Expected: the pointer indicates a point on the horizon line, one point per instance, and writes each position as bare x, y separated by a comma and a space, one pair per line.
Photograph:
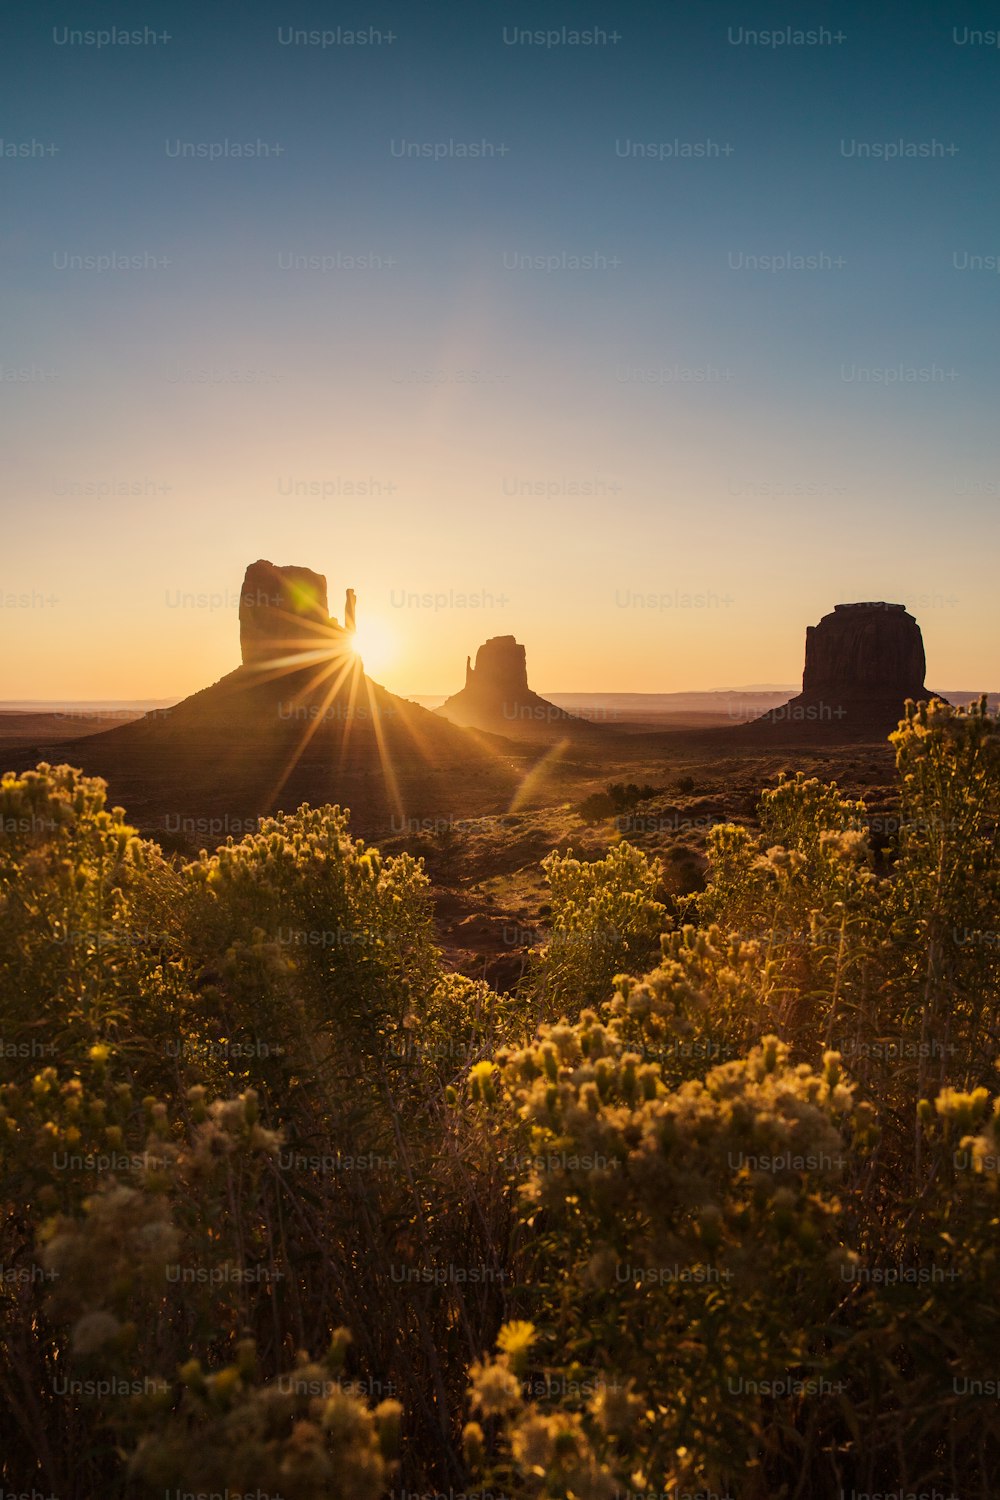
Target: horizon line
141, 705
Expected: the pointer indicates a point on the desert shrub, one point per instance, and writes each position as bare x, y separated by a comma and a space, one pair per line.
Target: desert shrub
604, 919
89, 922
880, 1325
305, 1435
190, 1211
706, 1309
945, 891
803, 891
901, 973
286, 988
350, 930
617, 797
687, 1245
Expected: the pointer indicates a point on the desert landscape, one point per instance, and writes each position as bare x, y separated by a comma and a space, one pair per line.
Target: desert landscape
482, 808
499, 753
378, 921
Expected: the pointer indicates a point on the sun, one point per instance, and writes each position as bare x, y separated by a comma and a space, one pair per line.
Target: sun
375, 645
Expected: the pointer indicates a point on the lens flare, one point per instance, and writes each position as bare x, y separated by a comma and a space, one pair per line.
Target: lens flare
374, 643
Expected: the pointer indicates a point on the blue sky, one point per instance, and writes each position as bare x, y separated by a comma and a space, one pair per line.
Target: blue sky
557, 375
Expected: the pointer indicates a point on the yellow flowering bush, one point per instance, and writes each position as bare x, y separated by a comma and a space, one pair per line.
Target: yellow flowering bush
605, 918
684, 1240
306, 1434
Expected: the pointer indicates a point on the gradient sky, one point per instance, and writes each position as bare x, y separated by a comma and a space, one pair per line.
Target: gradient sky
665, 426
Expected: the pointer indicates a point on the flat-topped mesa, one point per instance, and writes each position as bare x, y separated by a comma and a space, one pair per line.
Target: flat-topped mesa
865, 650
496, 695
862, 663
284, 610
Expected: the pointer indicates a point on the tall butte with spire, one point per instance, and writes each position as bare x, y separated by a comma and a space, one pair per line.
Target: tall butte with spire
496, 696
284, 612
298, 721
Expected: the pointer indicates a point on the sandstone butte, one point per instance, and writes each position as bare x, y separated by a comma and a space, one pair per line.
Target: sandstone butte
496, 697
862, 662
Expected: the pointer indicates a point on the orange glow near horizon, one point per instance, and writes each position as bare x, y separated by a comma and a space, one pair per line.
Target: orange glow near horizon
100, 623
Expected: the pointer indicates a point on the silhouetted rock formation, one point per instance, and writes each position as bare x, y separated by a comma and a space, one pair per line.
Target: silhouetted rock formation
865, 650
298, 721
497, 698
862, 663
501, 667
283, 609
